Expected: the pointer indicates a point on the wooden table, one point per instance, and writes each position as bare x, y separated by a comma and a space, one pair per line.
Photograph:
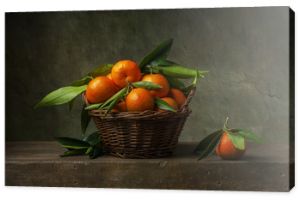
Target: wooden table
39, 164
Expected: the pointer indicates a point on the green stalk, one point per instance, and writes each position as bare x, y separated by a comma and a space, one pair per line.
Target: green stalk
120, 93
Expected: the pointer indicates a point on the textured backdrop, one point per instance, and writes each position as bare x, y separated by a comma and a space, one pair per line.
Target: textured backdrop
245, 50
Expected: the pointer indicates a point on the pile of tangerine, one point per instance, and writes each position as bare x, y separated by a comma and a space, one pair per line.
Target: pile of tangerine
123, 72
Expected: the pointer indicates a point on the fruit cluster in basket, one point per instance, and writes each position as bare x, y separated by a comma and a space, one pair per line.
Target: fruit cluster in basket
156, 83
126, 88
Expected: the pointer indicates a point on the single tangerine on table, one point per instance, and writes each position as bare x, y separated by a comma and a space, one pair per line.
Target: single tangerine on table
171, 102
100, 89
160, 80
226, 150
124, 72
139, 99
178, 96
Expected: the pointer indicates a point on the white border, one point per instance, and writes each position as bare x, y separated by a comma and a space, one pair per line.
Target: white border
84, 194
37, 5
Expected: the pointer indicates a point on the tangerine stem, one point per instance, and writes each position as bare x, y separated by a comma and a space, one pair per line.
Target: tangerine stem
195, 79
128, 88
225, 128
151, 70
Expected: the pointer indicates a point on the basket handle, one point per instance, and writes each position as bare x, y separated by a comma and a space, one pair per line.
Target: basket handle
185, 106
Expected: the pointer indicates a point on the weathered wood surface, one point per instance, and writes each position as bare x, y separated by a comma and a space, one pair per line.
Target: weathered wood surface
39, 164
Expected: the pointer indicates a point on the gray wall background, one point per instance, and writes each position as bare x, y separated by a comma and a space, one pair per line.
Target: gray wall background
245, 50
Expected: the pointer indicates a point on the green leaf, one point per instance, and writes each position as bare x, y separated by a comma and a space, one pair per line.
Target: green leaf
237, 140
113, 103
101, 70
71, 143
93, 138
162, 62
160, 52
61, 96
175, 83
249, 135
85, 119
118, 95
208, 145
89, 150
93, 106
146, 84
97, 151
163, 105
71, 104
177, 71
74, 152
84, 81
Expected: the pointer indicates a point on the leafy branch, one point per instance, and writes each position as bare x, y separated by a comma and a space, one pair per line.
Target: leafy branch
89, 145
237, 136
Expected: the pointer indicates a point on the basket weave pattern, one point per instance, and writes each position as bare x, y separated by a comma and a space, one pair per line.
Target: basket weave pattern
148, 134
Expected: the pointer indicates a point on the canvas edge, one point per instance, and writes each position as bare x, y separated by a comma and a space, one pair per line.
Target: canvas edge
291, 99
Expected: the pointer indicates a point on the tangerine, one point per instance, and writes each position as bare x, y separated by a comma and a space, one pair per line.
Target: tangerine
171, 102
121, 106
178, 96
109, 76
160, 80
100, 89
139, 99
226, 150
125, 71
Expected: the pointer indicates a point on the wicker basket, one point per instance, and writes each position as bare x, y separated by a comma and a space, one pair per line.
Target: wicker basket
148, 134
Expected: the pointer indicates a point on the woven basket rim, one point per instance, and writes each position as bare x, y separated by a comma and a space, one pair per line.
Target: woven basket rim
148, 114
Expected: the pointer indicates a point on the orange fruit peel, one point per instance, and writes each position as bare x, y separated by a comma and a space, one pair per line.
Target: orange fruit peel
124, 72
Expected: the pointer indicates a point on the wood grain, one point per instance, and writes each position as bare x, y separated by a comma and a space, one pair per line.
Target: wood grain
39, 164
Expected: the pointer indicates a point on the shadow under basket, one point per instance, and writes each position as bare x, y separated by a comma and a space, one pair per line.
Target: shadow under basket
147, 134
